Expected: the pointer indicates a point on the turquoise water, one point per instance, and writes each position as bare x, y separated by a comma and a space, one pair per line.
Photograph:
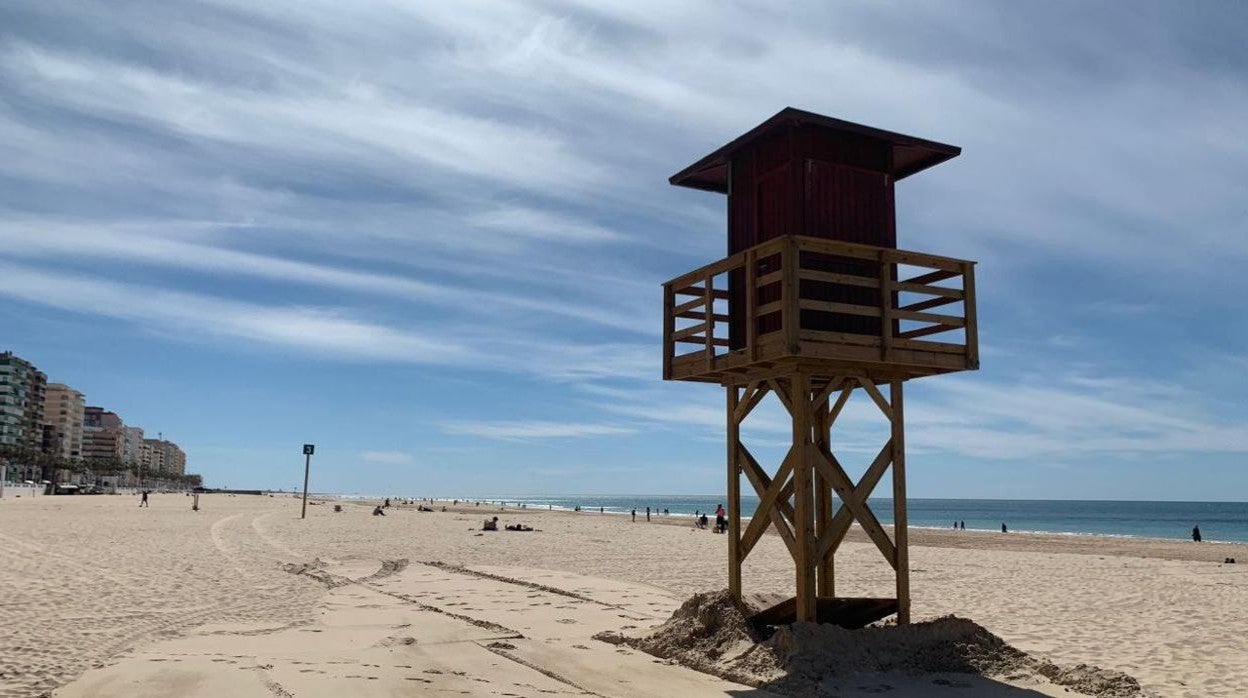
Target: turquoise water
1218, 521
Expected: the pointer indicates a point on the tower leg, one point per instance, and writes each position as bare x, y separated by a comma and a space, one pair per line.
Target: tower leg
734, 496
901, 536
825, 580
803, 509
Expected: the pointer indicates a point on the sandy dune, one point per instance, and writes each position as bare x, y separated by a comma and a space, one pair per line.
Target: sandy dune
96, 589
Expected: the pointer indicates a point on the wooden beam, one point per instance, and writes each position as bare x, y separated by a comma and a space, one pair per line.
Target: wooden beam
734, 496
747, 405
669, 327
933, 277
825, 584
969, 310
842, 308
901, 535
886, 307
760, 482
832, 470
766, 514
925, 331
951, 320
751, 301
803, 528
847, 389
907, 286
699, 315
840, 279
844, 517
710, 323
689, 331
875, 394
930, 303
790, 296
690, 305
783, 395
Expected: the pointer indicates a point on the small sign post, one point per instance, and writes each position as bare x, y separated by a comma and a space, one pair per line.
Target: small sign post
308, 449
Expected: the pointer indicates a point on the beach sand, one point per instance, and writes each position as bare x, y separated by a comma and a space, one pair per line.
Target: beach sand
103, 598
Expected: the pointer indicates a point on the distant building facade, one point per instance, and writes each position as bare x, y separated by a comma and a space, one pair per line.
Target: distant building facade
162, 457
64, 409
132, 450
103, 435
22, 391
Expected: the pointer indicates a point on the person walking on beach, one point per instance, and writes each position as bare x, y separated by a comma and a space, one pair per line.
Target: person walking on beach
143, 500
1004, 529
962, 524
647, 513
634, 516
720, 516
1196, 534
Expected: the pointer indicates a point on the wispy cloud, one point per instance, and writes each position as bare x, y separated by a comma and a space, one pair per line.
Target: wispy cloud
532, 430
387, 457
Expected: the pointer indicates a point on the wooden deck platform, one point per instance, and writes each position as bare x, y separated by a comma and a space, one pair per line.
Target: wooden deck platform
777, 307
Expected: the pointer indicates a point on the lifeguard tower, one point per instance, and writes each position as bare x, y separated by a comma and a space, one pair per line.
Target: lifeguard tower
814, 302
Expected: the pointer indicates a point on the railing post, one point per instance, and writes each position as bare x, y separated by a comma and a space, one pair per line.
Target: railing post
791, 314
968, 312
709, 294
669, 327
886, 306
751, 301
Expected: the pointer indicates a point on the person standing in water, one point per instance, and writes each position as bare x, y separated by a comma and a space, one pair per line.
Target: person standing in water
1196, 534
1004, 529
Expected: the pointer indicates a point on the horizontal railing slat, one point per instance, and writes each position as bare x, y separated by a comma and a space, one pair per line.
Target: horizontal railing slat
951, 320
843, 279
843, 308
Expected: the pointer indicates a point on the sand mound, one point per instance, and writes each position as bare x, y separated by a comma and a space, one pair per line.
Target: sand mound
711, 634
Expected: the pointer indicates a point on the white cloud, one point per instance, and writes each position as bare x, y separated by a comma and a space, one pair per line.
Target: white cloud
531, 430
387, 457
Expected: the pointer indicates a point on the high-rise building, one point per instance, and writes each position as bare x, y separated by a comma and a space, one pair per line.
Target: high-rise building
64, 409
22, 390
103, 435
160, 457
132, 450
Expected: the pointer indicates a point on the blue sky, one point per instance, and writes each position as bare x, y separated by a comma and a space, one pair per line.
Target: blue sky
430, 237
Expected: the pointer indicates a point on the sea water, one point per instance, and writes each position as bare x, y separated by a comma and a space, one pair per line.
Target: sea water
1218, 521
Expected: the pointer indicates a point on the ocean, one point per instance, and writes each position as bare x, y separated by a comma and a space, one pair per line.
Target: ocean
1218, 521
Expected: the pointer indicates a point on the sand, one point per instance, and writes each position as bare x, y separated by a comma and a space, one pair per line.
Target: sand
102, 598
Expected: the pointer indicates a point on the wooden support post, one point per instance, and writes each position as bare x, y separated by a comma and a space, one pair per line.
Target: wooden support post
803, 525
969, 312
669, 328
734, 496
791, 313
825, 583
751, 303
901, 537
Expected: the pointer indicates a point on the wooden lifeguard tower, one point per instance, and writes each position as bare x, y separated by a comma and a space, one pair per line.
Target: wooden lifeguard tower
813, 302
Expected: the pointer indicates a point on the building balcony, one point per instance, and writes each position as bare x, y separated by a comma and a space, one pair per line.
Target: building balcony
831, 308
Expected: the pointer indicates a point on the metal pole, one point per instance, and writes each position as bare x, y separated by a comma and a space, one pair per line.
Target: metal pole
307, 465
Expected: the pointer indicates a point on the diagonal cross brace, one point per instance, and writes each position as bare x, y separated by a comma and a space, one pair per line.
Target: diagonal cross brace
844, 518
770, 502
832, 471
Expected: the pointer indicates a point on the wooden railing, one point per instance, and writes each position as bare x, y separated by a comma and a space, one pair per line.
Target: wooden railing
779, 298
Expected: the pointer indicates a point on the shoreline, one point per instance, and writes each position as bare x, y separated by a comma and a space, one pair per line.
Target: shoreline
929, 537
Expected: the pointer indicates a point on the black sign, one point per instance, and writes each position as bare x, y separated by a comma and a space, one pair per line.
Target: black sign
308, 449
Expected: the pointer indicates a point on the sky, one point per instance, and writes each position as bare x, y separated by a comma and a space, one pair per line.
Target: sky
430, 237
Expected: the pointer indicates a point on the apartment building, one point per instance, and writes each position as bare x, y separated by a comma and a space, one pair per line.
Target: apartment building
64, 409
160, 457
132, 450
22, 392
103, 435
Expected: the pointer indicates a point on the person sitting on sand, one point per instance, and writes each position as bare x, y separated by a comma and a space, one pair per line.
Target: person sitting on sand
702, 521
377, 511
387, 504
490, 524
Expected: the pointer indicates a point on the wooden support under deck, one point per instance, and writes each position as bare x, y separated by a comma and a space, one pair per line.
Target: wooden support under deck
798, 501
